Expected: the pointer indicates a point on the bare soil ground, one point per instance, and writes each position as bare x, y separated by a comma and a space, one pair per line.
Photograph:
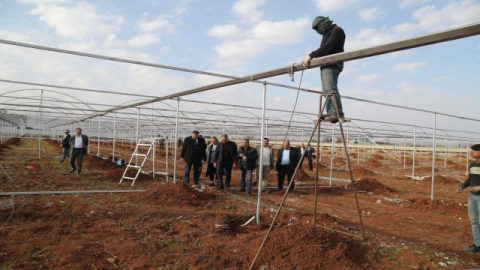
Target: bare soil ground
172, 226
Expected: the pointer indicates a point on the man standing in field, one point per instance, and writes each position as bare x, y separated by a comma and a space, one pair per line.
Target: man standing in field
472, 184
78, 148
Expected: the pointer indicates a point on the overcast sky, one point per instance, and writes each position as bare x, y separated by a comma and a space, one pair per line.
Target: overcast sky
245, 37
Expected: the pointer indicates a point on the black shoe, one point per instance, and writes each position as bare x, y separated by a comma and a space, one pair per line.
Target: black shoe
332, 118
79, 173
473, 249
242, 190
291, 191
72, 170
249, 194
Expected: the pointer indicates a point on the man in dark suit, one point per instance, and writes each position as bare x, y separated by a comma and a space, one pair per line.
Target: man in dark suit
193, 153
78, 148
287, 160
225, 155
310, 151
65, 145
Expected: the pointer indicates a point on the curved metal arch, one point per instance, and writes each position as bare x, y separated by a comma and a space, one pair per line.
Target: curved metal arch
46, 90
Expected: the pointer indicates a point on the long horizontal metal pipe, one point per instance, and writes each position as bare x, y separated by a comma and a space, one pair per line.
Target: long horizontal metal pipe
67, 192
447, 35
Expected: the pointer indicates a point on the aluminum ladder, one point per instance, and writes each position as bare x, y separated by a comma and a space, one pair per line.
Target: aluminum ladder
135, 155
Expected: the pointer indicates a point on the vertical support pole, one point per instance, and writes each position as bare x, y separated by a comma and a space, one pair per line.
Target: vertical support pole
466, 154
445, 152
98, 135
176, 143
332, 153
414, 149
166, 156
348, 129
41, 126
433, 154
136, 136
404, 150
154, 145
260, 167
320, 111
266, 128
114, 135
89, 130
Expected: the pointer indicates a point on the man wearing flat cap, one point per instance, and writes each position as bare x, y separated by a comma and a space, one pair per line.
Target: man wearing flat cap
65, 145
333, 41
472, 184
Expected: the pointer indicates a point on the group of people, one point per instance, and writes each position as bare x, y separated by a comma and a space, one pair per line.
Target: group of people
224, 155
75, 147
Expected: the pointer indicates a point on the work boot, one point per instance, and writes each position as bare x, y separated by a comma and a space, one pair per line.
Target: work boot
473, 249
332, 118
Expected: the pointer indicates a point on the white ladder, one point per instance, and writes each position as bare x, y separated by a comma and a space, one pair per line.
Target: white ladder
136, 155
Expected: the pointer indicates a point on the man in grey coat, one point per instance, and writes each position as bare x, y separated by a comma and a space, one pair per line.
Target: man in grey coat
267, 163
78, 148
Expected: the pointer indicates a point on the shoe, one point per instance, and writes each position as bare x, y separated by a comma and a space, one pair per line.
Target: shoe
79, 173
249, 194
332, 118
473, 249
72, 170
291, 191
242, 190
212, 184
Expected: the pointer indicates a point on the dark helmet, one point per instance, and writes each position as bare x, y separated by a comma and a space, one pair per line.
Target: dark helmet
322, 24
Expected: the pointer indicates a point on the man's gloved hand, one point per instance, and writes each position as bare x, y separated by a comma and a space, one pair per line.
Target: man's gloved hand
306, 61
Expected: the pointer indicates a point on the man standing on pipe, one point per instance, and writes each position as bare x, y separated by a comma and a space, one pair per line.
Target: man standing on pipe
332, 42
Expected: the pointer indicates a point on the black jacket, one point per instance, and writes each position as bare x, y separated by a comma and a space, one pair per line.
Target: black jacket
219, 153
332, 43
66, 141
294, 157
310, 152
251, 154
85, 142
188, 147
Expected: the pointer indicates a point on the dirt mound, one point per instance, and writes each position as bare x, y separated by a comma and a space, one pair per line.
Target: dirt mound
116, 174
13, 141
302, 176
301, 247
100, 163
176, 195
440, 179
370, 185
437, 206
425, 170
362, 172
372, 163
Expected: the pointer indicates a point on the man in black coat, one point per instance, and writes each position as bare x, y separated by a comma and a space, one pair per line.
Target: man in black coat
193, 153
310, 151
224, 158
65, 145
78, 149
287, 161
247, 157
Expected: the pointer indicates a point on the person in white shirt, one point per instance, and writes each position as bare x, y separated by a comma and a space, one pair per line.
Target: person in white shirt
287, 161
78, 148
267, 163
